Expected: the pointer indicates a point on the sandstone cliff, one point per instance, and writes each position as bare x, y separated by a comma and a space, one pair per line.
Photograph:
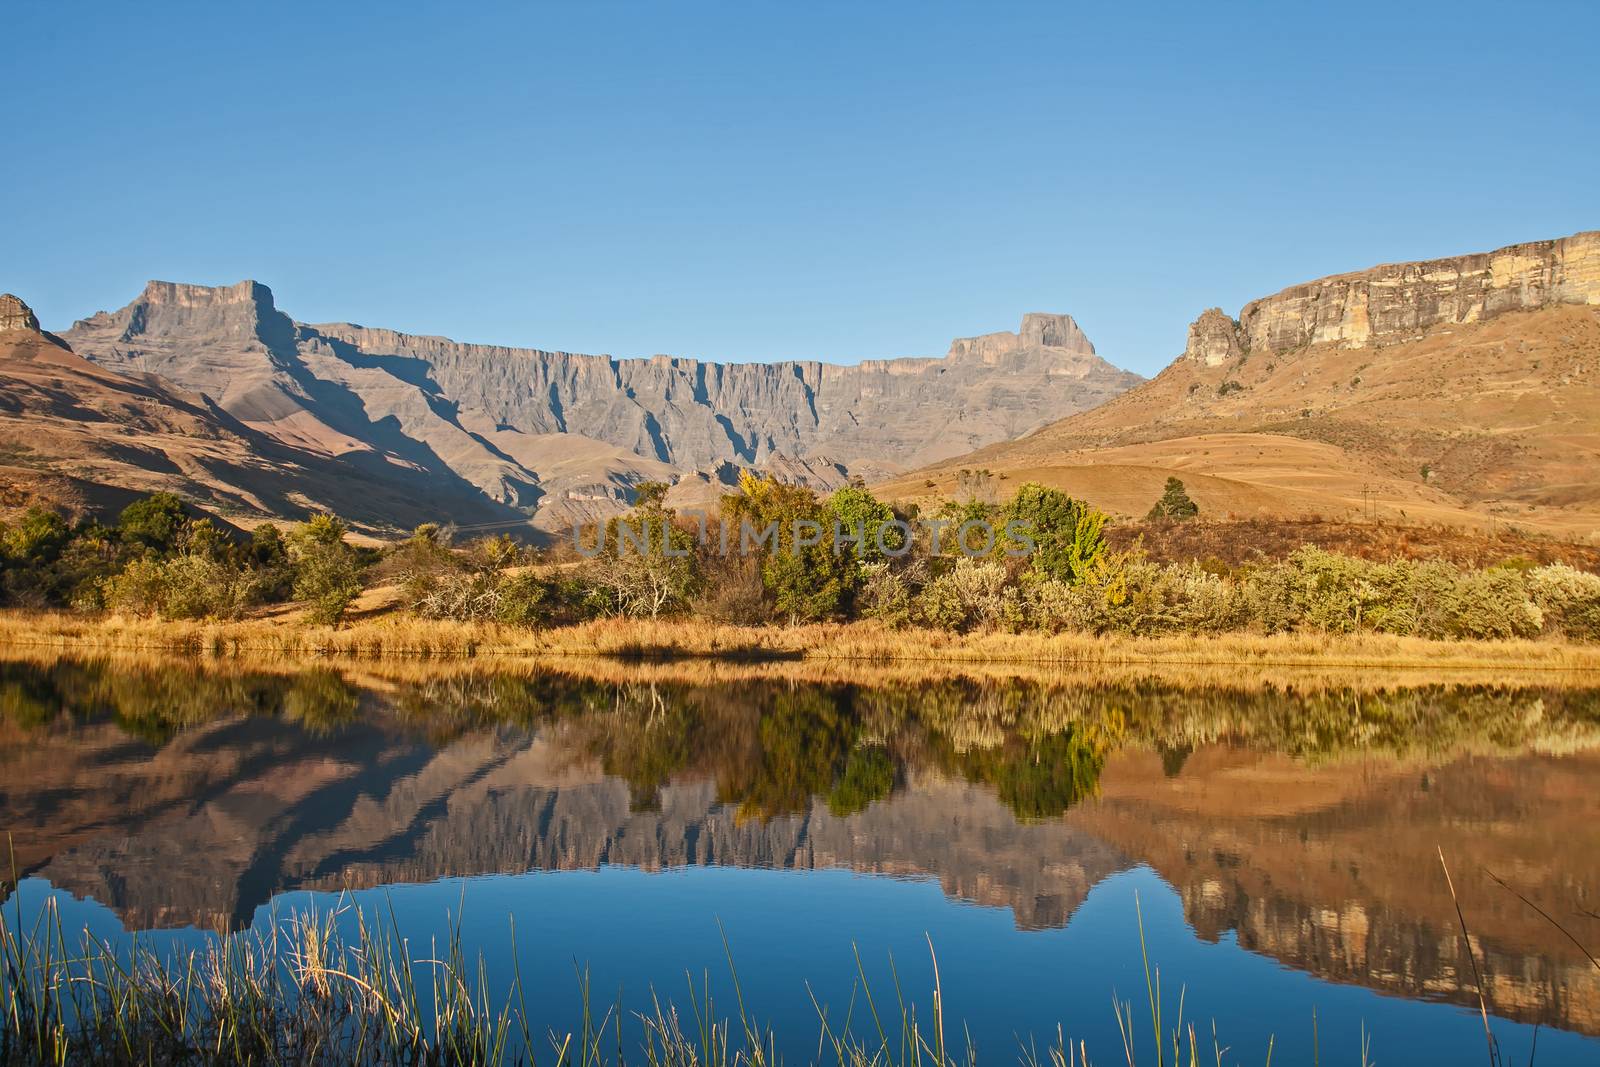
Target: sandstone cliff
1398, 301
559, 435
15, 315
1459, 391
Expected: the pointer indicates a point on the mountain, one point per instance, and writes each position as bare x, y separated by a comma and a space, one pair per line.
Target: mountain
1462, 390
92, 439
562, 437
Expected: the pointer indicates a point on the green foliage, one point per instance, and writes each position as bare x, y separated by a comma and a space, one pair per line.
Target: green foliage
805, 581
865, 518
1067, 535
154, 522
886, 594
36, 538
973, 594
1174, 503
327, 572
185, 586
1569, 600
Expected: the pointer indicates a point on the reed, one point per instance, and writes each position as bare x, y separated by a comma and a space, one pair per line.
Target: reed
300, 993
396, 636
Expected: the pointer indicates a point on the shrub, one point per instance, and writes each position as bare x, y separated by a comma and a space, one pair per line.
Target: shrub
647, 566
1569, 599
327, 573
187, 586
804, 581
973, 594
886, 595
1068, 535
1494, 604
154, 522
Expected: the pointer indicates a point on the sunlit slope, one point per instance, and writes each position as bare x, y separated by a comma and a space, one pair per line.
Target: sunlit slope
1475, 424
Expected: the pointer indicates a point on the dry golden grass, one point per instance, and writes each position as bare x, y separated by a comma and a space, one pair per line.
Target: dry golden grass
1499, 412
387, 636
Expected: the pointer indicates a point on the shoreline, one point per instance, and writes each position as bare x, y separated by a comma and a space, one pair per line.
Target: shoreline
388, 636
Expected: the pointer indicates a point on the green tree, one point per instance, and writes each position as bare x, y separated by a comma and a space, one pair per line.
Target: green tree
154, 522
327, 573
865, 520
806, 579
1174, 503
1067, 535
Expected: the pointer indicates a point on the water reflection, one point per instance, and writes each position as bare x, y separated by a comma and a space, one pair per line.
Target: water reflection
1304, 823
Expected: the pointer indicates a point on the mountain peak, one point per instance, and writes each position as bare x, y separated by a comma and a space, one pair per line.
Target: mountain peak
1039, 329
182, 294
1048, 330
15, 315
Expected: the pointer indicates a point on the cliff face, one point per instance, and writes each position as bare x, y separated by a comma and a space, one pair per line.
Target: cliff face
89, 439
1397, 301
560, 434
15, 315
1460, 392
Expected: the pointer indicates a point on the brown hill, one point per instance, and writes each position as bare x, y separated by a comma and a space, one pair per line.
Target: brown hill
91, 439
1464, 391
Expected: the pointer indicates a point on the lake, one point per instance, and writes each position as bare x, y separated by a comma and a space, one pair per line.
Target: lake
1277, 847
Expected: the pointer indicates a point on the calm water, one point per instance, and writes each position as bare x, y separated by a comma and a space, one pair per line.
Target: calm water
1282, 847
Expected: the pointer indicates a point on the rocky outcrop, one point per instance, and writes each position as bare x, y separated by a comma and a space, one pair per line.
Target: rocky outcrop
15, 315
551, 433
1398, 301
1213, 338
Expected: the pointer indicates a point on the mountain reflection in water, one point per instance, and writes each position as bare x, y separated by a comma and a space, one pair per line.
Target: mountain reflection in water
1306, 823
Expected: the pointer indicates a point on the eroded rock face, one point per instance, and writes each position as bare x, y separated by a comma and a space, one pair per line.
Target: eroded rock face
1398, 301
15, 315
1213, 338
552, 432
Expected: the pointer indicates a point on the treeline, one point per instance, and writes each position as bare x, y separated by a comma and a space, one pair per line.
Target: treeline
649, 563
1040, 563
161, 559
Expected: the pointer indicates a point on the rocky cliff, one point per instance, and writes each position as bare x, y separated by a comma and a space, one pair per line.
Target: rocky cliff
559, 434
1460, 392
88, 439
1398, 301
15, 315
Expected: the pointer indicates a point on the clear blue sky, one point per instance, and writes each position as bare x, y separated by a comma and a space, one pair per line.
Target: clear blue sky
762, 181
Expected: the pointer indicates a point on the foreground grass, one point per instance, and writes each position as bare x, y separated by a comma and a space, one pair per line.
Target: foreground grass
301, 994
393, 635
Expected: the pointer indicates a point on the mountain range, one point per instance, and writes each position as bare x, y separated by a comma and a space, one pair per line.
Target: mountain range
553, 437
1461, 390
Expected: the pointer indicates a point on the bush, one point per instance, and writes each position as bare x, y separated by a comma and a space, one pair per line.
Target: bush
1068, 535
886, 595
327, 573
1569, 599
188, 586
647, 567
973, 594
1494, 604
154, 522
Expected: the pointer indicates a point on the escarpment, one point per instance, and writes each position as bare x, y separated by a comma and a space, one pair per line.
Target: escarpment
1398, 301
563, 437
